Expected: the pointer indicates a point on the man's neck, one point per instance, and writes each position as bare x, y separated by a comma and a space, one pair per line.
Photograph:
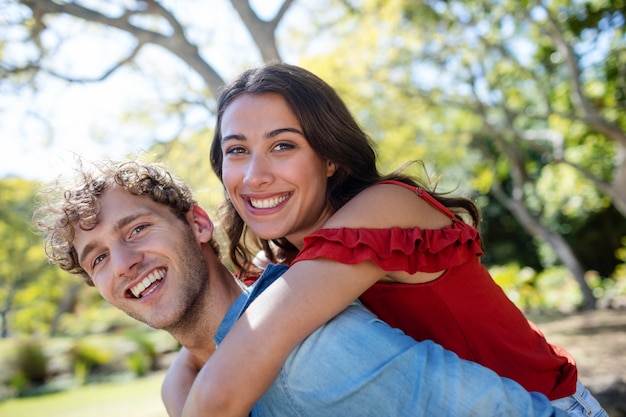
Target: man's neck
223, 290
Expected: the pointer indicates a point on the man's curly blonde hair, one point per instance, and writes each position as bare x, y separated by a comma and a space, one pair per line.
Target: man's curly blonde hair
66, 204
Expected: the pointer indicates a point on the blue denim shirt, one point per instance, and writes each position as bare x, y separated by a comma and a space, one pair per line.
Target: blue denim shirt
357, 365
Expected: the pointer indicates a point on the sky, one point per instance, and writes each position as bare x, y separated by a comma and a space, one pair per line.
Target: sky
77, 118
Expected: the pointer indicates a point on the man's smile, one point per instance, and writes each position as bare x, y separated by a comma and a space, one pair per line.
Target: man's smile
146, 286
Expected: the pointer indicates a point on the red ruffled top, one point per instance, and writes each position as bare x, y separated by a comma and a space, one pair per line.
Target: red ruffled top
464, 310
396, 249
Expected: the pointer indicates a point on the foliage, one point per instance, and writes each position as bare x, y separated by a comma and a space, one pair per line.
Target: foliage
616, 294
22, 263
87, 357
189, 159
597, 239
529, 88
536, 292
93, 315
71, 362
504, 241
144, 359
37, 302
517, 105
29, 366
139, 363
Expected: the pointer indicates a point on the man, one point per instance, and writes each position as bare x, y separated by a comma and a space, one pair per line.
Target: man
136, 234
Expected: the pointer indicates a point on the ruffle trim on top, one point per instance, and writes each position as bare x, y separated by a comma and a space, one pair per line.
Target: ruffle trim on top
396, 249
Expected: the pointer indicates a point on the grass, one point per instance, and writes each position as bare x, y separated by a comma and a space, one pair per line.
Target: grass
132, 398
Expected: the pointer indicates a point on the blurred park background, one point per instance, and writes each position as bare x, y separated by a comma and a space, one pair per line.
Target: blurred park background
519, 105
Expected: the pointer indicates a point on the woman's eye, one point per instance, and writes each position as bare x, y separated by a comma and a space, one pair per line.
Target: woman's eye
235, 150
284, 146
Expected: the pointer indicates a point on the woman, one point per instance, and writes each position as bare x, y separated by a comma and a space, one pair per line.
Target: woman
301, 177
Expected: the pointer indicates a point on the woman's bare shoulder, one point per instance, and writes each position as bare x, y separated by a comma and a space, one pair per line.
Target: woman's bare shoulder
387, 205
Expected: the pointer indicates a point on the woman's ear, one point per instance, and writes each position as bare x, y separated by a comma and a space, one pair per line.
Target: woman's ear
331, 168
201, 224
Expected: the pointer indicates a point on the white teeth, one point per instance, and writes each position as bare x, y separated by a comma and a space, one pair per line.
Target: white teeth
147, 281
268, 202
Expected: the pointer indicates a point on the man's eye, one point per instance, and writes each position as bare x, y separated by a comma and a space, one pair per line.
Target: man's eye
98, 259
138, 229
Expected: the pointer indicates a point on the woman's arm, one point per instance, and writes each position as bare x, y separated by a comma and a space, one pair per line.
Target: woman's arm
248, 360
178, 380
308, 295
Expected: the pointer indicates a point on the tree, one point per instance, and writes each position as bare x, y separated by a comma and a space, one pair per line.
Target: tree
527, 86
20, 258
148, 22
148, 40
142, 32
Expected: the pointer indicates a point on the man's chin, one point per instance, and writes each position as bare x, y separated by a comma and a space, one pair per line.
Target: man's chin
158, 323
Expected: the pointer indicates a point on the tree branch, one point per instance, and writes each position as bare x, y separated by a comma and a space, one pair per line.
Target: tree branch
177, 43
262, 31
589, 113
104, 75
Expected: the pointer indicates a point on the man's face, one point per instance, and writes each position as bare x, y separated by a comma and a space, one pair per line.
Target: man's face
144, 260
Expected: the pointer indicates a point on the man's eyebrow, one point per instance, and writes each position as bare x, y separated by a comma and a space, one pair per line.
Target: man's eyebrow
121, 223
269, 134
86, 250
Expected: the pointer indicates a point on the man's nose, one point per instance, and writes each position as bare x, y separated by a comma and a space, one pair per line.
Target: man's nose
125, 258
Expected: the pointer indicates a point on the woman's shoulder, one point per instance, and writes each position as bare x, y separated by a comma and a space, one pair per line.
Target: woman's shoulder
388, 205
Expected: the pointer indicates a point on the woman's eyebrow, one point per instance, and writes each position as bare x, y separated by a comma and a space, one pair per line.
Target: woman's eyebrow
270, 134
233, 137
275, 132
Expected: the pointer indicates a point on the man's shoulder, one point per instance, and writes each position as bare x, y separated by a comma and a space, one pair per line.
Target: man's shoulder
271, 274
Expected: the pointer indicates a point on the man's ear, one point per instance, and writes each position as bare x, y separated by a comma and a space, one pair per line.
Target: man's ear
201, 224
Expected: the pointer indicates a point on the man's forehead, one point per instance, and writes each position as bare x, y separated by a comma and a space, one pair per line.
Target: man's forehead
116, 202
117, 208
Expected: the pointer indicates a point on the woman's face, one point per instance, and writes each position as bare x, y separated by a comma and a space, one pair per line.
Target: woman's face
275, 180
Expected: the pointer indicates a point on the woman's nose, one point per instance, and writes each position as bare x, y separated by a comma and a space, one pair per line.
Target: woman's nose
258, 171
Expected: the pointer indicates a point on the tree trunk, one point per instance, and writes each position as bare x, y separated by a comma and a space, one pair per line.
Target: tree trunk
8, 303
536, 228
619, 181
66, 305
